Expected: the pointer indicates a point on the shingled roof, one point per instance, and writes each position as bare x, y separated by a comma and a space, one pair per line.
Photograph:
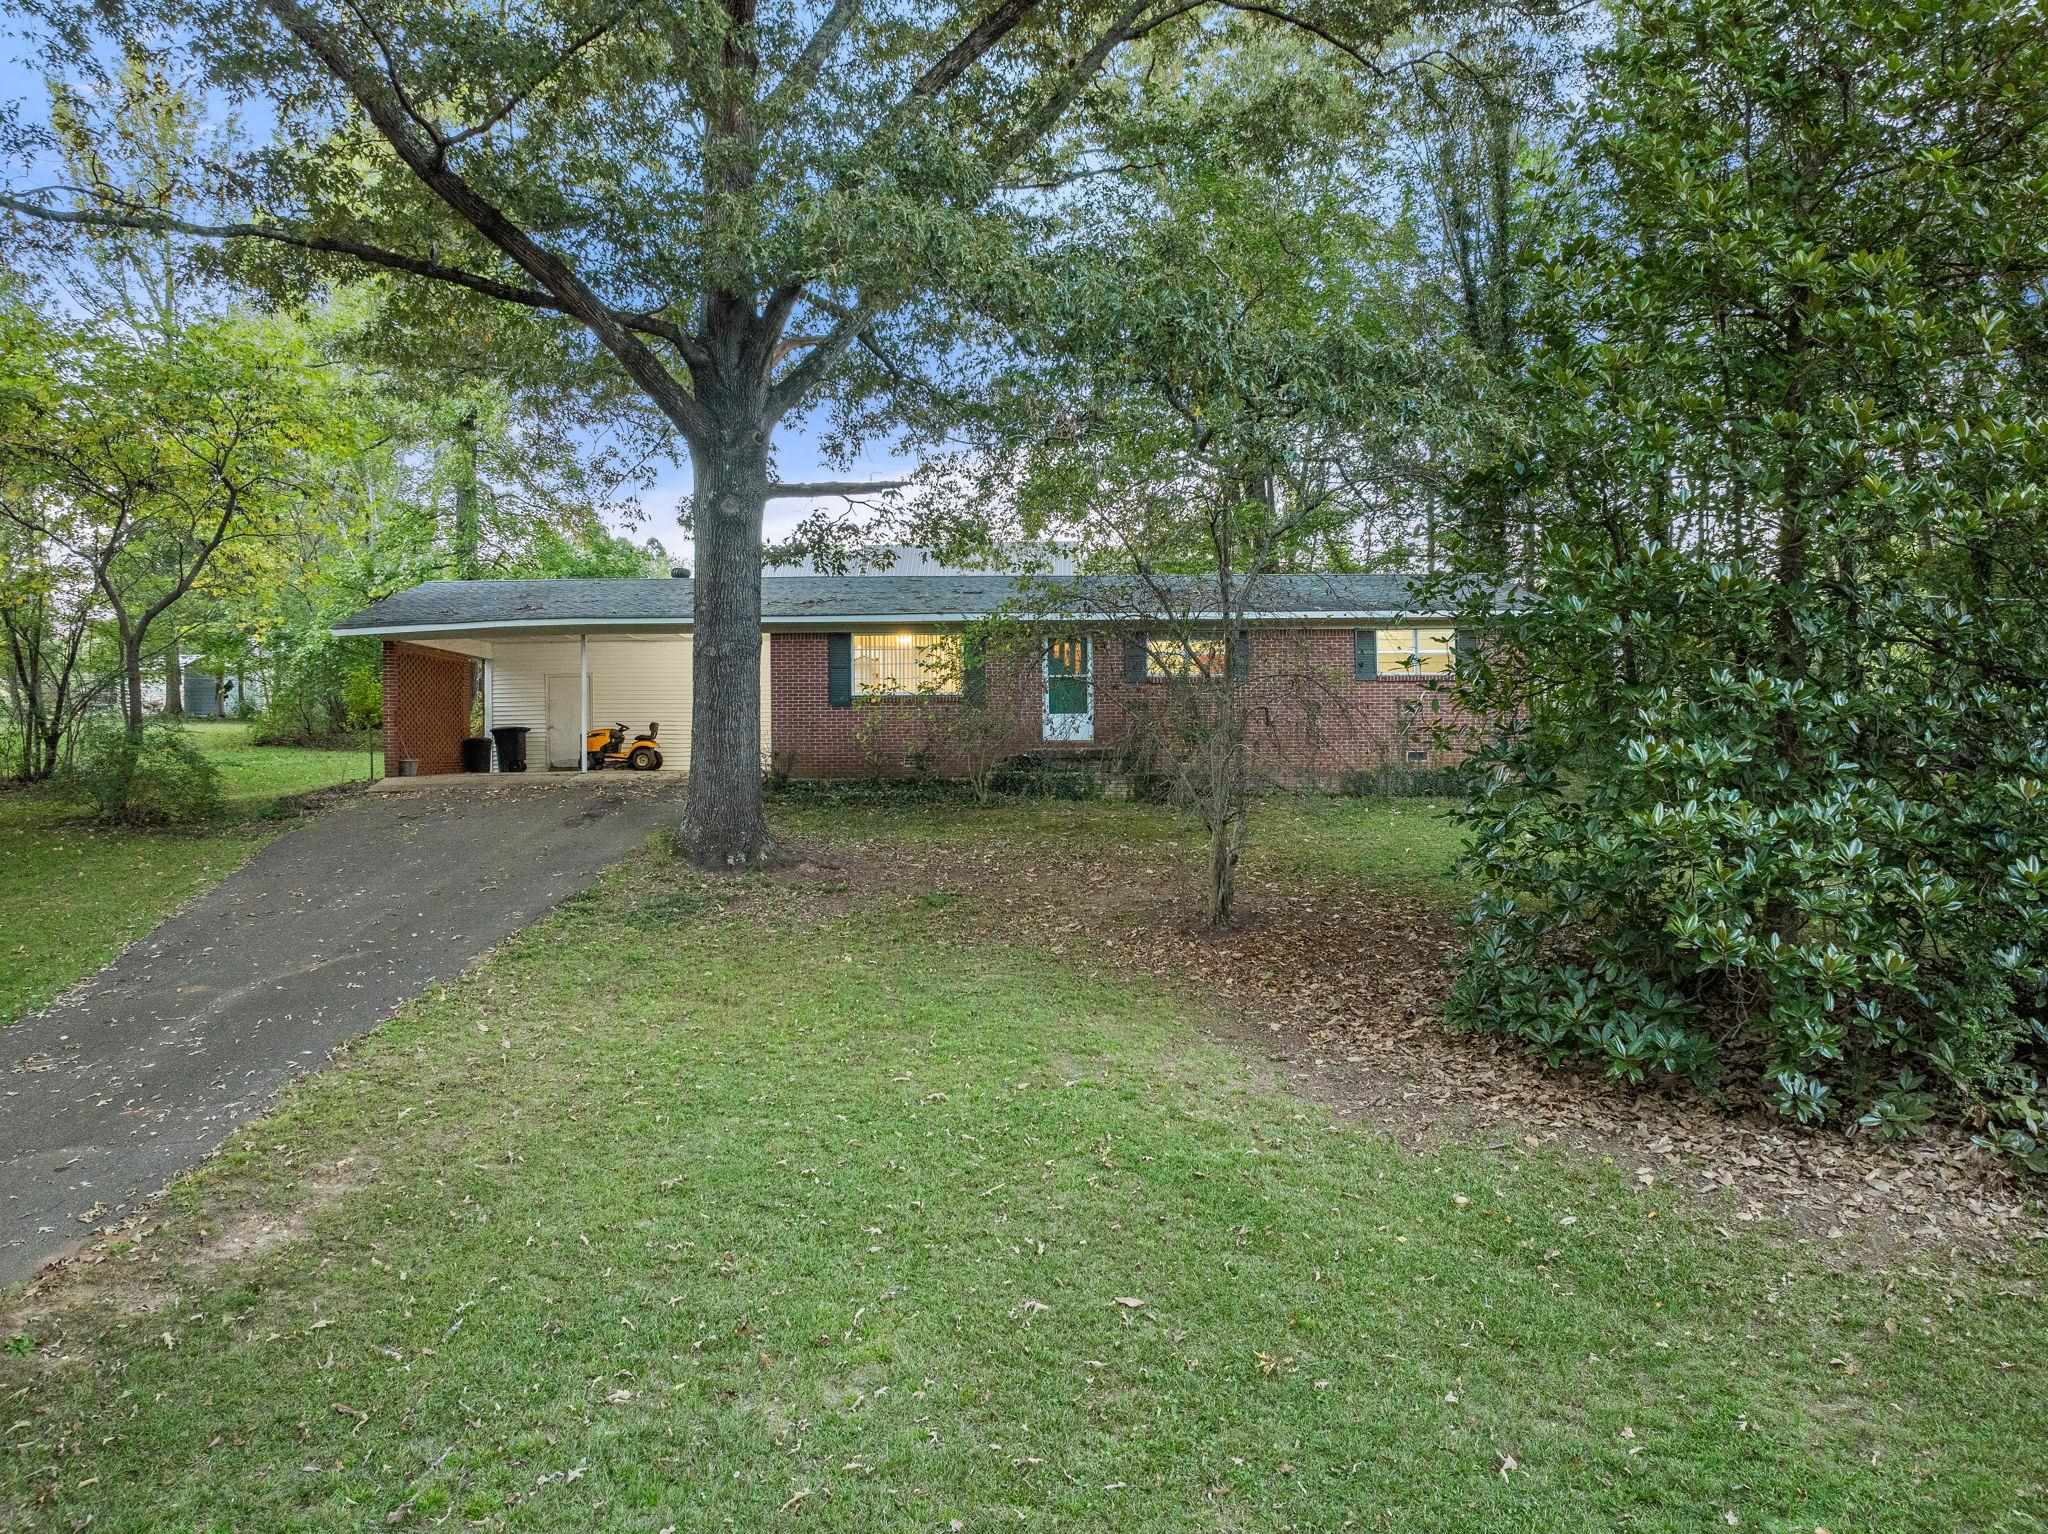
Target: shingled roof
812, 601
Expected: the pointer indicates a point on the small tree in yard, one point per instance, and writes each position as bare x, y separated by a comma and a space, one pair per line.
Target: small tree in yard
47, 609
1184, 415
995, 663
1772, 787
144, 467
1222, 718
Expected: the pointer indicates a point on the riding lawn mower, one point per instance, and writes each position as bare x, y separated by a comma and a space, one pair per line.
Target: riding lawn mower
609, 746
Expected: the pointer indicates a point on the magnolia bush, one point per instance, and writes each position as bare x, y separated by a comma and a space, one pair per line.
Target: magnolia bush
1769, 792
1861, 919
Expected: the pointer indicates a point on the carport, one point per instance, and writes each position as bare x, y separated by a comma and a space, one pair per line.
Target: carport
557, 664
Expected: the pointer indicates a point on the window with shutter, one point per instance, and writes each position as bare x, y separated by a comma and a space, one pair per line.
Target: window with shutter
908, 663
1416, 651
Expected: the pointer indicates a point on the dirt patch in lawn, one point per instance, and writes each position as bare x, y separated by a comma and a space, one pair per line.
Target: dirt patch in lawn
1337, 993
138, 1267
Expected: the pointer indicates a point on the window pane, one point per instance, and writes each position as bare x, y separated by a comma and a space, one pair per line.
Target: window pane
903, 662
1199, 658
1418, 652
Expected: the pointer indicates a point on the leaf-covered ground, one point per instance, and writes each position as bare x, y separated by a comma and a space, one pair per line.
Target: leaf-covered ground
1336, 973
834, 1201
73, 894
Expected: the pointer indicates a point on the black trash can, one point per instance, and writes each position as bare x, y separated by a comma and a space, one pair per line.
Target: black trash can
511, 740
476, 753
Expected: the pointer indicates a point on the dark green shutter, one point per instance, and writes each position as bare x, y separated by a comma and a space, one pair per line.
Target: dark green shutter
1134, 658
1365, 654
1463, 643
973, 671
839, 670
1238, 655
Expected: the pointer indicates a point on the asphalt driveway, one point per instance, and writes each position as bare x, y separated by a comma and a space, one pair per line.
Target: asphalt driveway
144, 1069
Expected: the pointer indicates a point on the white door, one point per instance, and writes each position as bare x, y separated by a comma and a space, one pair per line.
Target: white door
1069, 690
565, 723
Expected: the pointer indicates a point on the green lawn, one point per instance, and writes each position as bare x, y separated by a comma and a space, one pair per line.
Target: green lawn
1409, 844
747, 1206
72, 894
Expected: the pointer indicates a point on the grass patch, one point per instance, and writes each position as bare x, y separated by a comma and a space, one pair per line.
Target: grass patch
1403, 844
843, 1222
73, 894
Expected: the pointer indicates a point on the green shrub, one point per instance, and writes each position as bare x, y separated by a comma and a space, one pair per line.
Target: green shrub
849, 792
1398, 780
1770, 795
1042, 777
162, 779
327, 690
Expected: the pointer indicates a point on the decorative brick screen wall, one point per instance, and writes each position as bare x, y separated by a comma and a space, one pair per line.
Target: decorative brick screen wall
1313, 720
426, 707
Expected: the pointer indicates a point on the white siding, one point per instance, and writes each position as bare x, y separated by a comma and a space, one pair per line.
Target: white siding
519, 689
634, 681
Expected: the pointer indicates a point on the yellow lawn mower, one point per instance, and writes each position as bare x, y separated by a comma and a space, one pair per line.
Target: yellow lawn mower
610, 747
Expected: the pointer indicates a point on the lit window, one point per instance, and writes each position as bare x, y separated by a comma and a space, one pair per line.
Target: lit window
904, 664
1423, 652
1202, 659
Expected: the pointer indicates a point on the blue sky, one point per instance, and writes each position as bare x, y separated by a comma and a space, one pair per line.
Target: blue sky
796, 447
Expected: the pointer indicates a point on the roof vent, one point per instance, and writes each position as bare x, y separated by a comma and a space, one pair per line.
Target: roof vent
679, 572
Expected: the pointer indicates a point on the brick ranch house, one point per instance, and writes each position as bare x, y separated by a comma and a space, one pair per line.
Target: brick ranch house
1342, 675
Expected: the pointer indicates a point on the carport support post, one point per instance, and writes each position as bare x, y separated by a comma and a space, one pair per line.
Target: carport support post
583, 701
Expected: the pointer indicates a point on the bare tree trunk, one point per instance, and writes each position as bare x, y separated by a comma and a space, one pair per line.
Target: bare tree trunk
724, 826
1226, 845
467, 538
174, 679
131, 666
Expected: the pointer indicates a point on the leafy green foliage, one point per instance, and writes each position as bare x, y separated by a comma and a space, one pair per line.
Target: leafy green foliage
161, 467
1772, 784
326, 688
157, 778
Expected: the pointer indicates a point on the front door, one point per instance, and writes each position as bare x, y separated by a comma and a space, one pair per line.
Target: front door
1069, 690
565, 723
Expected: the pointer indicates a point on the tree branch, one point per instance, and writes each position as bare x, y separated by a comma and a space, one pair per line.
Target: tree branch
806, 489
790, 344
387, 114
146, 221
1049, 111
803, 74
799, 380
513, 102
432, 130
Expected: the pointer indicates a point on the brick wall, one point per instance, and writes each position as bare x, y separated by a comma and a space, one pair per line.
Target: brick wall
426, 707
1311, 721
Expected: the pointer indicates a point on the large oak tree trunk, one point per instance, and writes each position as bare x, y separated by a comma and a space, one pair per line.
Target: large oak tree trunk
723, 823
